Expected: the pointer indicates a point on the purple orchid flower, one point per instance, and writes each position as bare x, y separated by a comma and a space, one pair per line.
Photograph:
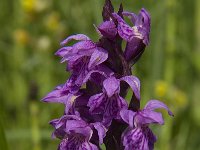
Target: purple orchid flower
137, 37
76, 133
109, 102
104, 69
138, 135
61, 94
82, 57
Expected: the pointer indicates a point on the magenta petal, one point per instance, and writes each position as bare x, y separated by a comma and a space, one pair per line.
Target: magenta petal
134, 83
98, 56
155, 104
78, 37
111, 86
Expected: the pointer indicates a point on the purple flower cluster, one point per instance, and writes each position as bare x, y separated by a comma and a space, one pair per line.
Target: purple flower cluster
95, 109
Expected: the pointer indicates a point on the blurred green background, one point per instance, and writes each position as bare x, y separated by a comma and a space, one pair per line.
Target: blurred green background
30, 32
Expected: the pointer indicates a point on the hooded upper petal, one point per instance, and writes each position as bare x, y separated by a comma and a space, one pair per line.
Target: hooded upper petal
124, 30
108, 29
143, 23
95, 101
111, 86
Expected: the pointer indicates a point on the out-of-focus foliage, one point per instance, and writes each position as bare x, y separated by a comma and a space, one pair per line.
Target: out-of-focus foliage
30, 32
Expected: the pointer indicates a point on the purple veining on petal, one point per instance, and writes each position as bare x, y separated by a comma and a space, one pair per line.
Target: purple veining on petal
109, 103
98, 56
139, 139
95, 101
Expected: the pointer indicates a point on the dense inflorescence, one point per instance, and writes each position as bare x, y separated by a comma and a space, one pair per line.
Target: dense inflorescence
95, 109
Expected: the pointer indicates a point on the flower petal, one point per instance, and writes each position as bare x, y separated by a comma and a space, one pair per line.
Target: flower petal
131, 16
101, 129
84, 47
147, 117
88, 146
139, 139
57, 123
143, 23
58, 95
78, 50
64, 51
111, 86
134, 50
95, 101
124, 30
108, 29
88, 76
127, 116
79, 126
134, 83
78, 37
98, 56
155, 104
143, 19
